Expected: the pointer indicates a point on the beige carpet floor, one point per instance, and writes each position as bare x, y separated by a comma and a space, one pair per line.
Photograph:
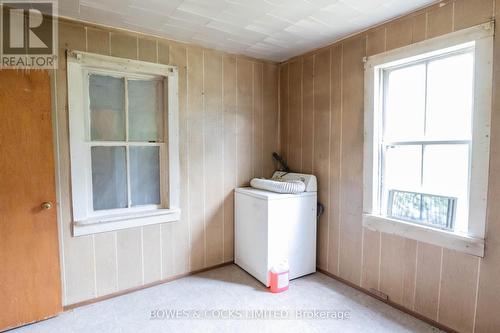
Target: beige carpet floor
227, 299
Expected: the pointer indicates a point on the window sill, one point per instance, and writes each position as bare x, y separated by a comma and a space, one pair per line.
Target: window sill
118, 222
446, 239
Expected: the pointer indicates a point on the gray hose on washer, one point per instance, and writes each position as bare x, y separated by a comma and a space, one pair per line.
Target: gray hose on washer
291, 187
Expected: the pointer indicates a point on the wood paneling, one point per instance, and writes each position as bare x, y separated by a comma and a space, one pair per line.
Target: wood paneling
152, 253
163, 51
97, 41
214, 162
257, 128
469, 13
174, 243
181, 237
270, 117
458, 270
244, 121
335, 157
352, 159
397, 268
440, 19
375, 41
105, 263
413, 274
428, 279
230, 151
77, 253
123, 45
321, 157
399, 33
284, 111
419, 31
308, 114
295, 115
371, 259
196, 156
129, 257
147, 49
224, 133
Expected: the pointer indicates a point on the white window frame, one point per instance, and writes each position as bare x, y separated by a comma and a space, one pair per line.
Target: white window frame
85, 220
471, 242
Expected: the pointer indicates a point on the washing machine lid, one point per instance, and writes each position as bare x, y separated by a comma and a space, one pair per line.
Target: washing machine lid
267, 195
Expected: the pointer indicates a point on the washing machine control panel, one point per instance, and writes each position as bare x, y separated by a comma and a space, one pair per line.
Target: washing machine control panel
309, 180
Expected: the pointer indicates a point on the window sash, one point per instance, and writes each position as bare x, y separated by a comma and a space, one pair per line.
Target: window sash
127, 145
383, 191
92, 213
384, 89
126, 77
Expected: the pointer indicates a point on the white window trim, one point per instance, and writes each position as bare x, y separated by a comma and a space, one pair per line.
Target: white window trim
473, 241
85, 221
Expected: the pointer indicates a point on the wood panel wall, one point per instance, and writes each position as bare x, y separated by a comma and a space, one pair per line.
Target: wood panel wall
228, 130
321, 131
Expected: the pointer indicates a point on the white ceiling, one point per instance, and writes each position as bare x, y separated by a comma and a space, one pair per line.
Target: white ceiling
267, 29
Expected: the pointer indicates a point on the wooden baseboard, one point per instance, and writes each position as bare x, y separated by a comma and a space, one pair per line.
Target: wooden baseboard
149, 285
389, 302
179, 276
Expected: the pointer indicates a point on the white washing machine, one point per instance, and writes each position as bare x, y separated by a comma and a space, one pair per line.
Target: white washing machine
272, 227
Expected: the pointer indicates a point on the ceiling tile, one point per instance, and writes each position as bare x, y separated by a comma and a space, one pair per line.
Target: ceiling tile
269, 29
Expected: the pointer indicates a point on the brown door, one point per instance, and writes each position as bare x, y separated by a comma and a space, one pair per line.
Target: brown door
30, 285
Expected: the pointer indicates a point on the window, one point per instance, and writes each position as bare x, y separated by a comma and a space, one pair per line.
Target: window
126, 140
124, 145
427, 135
427, 118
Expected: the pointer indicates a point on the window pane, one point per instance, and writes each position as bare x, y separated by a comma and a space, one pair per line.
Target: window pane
436, 210
145, 110
107, 108
405, 103
145, 175
109, 177
403, 168
446, 172
406, 205
421, 208
449, 97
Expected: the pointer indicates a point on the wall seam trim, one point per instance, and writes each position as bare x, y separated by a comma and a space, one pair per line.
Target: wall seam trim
440, 283
142, 254
204, 160
188, 215
340, 153
223, 162
329, 156
415, 276
262, 120
476, 300
301, 114
94, 266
